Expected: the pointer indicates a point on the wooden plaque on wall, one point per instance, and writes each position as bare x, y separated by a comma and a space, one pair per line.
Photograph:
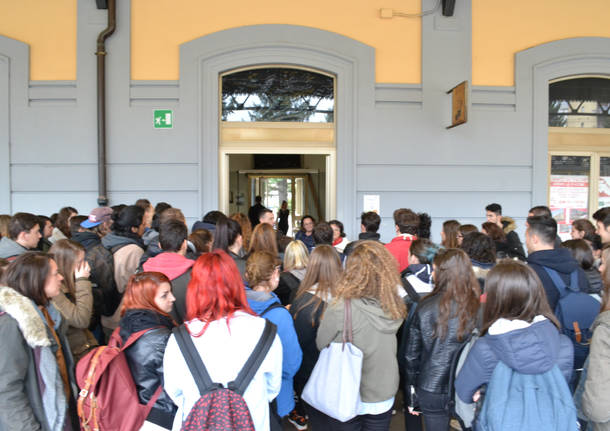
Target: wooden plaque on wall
459, 104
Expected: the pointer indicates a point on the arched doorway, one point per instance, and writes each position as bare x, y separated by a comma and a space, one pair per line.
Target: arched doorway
352, 63
277, 140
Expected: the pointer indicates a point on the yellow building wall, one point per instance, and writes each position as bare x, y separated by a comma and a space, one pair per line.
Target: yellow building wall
49, 27
502, 28
158, 30
499, 30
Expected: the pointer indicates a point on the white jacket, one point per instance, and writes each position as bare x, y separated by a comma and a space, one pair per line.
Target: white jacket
224, 351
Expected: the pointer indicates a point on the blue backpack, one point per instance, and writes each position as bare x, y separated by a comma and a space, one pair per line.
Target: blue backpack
519, 402
576, 312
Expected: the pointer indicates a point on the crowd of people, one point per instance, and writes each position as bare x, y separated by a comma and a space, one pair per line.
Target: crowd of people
240, 305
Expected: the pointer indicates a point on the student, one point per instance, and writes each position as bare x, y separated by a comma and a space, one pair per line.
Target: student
419, 271
449, 234
225, 331
441, 322
315, 293
481, 250
147, 303
493, 212
583, 254
406, 224
369, 282
23, 235
305, 234
228, 237
540, 241
172, 262
518, 329
369, 225
263, 239
282, 218
127, 248
296, 259
582, 227
75, 301
254, 211
602, 221
62, 224
36, 378
596, 395
339, 239
263, 276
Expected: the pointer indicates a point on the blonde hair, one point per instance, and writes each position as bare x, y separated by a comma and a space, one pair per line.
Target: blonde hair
296, 256
5, 220
323, 272
259, 268
371, 272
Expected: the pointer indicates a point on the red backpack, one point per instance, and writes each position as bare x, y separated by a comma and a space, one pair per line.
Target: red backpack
220, 408
108, 400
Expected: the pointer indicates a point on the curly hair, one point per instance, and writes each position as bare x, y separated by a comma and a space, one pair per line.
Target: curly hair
371, 272
479, 247
455, 281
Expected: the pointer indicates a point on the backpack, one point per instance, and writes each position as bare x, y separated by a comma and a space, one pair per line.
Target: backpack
516, 401
220, 408
576, 312
108, 399
463, 412
271, 307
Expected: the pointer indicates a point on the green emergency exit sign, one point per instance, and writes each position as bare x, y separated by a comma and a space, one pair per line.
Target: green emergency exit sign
163, 118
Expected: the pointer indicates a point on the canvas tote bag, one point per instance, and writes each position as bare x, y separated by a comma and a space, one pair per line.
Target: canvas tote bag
334, 385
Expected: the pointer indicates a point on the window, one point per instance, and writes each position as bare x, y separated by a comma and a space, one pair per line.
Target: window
277, 94
580, 102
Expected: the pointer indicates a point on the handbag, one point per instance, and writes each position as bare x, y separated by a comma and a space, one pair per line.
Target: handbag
334, 385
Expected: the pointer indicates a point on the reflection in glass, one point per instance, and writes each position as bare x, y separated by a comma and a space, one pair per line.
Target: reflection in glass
569, 191
580, 102
604, 182
278, 94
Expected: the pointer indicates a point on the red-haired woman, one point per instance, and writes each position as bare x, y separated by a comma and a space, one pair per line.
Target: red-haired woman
147, 302
224, 331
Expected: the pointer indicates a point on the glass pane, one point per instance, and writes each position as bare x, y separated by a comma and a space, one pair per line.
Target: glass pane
604, 182
278, 94
569, 191
580, 102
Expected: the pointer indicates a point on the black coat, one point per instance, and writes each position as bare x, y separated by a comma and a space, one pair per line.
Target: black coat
428, 358
306, 333
145, 359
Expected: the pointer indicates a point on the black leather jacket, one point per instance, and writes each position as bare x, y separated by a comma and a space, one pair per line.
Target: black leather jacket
428, 358
145, 359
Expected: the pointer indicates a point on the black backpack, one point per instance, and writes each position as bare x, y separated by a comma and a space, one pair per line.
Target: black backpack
220, 408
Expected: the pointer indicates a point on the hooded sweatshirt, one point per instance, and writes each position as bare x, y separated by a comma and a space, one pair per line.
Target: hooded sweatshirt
178, 269
560, 260
10, 249
291, 350
374, 333
420, 277
528, 348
